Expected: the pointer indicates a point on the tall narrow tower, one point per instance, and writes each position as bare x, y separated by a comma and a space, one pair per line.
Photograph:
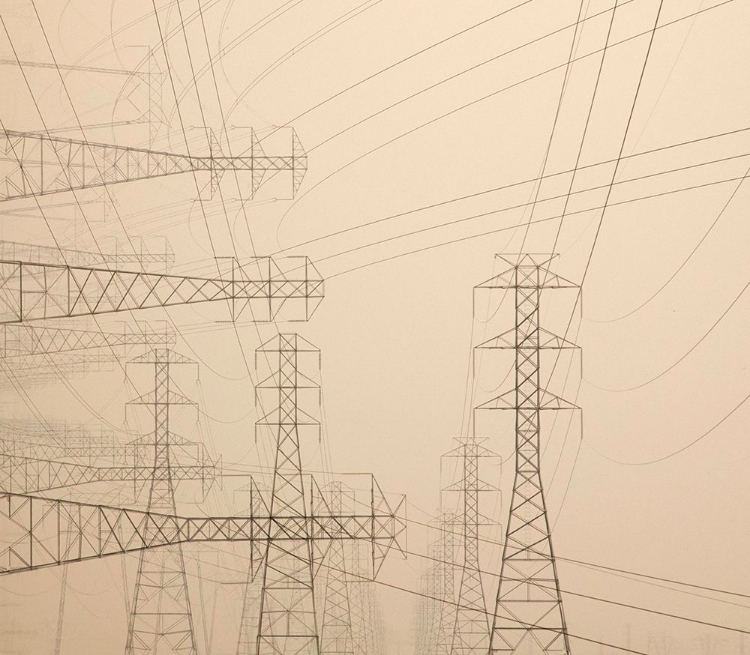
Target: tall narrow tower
161, 620
336, 633
528, 615
288, 621
363, 602
247, 640
448, 526
471, 632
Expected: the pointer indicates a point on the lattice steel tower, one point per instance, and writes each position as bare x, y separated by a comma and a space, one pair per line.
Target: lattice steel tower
528, 615
161, 619
471, 632
336, 633
288, 622
448, 523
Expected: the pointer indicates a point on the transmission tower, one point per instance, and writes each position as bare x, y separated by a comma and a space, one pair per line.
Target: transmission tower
424, 607
17, 341
161, 620
436, 594
528, 616
288, 622
376, 619
471, 631
247, 640
447, 523
137, 254
359, 603
30, 475
336, 632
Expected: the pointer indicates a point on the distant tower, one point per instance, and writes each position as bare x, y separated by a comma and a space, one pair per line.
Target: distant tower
161, 620
471, 633
528, 616
365, 611
247, 640
336, 632
288, 622
448, 526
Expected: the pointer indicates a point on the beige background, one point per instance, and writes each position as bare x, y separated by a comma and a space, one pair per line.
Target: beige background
396, 328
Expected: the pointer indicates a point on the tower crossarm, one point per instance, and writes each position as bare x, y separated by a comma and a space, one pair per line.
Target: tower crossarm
258, 290
19, 340
30, 475
38, 532
39, 164
527, 271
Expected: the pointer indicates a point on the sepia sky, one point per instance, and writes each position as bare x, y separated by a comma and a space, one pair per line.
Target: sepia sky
428, 126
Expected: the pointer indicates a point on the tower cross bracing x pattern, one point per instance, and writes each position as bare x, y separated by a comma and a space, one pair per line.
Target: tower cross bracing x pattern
528, 615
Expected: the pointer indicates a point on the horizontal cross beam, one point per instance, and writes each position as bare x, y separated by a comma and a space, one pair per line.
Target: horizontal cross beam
39, 164
30, 475
259, 290
38, 532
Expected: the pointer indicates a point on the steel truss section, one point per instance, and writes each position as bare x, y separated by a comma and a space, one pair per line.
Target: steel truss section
30, 475
161, 617
39, 164
38, 532
137, 254
257, 291
528, 615
336, 631
471, 630
24, 340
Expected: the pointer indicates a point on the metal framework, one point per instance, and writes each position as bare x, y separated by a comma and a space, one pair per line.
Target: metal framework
370, 638
161, 619
47, 368
363, 605
37, 164
23, 340
471, 630
434, 580
336, 632
137, 254
248, 635
64, 445
288, 621
30, 475
446, 626
258, 290
38, 532
528, 614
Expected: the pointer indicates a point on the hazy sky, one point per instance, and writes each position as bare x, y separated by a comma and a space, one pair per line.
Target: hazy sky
426, 126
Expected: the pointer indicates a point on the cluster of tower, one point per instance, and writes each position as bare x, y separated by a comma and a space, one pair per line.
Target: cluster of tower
309, 585
308, 589
527, 615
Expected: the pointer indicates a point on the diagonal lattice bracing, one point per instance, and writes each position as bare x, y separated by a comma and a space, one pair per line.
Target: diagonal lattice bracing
262, 290
161, 619
136, 254
528, 615
30, 475
36, 164
38, 532
25, 340
288, 621
248, 635
336, 631
471, 630
448, 521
